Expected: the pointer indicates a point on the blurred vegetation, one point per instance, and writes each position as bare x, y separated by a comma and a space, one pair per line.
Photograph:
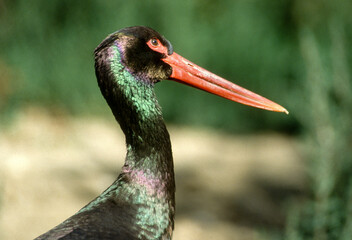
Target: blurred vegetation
295, 52
325, 44
47, 50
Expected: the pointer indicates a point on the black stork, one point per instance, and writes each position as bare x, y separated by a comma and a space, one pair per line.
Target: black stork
140, 204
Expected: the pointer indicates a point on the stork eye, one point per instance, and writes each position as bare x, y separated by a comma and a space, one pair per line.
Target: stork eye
154, 42
155, 45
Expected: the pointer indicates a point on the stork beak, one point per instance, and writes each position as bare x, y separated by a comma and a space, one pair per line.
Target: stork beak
188, 73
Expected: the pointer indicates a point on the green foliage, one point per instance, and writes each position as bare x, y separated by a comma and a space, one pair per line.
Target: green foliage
327, 118
49, 46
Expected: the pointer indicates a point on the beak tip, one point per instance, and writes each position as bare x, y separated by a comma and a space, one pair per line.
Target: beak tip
282, 109
277, 108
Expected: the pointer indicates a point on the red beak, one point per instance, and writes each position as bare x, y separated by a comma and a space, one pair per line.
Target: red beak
186, 72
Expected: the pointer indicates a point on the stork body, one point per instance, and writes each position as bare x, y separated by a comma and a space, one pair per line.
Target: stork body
140, 204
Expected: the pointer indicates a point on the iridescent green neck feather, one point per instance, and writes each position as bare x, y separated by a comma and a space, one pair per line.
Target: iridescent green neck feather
135, 107
147, 178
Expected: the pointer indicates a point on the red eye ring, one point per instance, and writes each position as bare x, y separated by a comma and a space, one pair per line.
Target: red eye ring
155, 45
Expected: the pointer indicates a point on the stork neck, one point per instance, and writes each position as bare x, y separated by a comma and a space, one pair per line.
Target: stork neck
147, 177
134, 105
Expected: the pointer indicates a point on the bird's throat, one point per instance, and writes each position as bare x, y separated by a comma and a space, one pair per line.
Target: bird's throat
133, 102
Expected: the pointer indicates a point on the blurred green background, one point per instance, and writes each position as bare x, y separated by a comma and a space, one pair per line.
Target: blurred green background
294, 52
47, 50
